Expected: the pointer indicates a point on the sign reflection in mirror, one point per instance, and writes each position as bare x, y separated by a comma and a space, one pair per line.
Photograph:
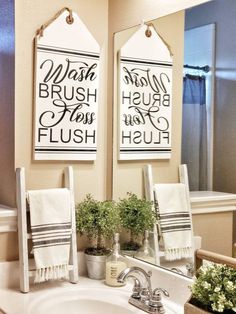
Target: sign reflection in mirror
145, 99
66, 92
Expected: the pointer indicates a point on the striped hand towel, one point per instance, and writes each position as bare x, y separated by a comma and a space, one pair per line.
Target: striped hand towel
175, 222
50, 219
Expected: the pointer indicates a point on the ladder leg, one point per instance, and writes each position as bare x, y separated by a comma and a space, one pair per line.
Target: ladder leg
69, 183
22, 231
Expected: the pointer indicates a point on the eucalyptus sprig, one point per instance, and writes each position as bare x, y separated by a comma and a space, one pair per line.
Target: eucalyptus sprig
215, 288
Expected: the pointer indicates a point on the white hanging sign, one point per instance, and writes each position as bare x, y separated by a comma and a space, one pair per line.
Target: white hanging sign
66, 91
145, 79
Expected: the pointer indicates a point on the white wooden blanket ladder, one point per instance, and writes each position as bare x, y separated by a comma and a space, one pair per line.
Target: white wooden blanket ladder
24, 235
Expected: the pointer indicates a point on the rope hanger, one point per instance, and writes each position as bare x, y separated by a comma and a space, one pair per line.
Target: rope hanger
69, 20
148, 34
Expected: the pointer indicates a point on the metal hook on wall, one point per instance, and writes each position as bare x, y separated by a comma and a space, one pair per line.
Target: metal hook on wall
148, 32
69, 18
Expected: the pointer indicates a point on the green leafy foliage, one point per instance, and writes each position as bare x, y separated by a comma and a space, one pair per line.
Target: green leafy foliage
97, 219
215, 288
136, 215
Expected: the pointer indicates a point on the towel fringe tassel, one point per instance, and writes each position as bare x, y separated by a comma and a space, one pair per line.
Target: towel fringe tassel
52, 273
178, 253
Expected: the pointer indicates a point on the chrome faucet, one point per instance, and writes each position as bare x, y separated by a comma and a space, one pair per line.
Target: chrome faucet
143, 296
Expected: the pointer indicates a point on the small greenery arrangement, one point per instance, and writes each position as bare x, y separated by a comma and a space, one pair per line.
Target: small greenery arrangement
215, 288
136, 216
98, 220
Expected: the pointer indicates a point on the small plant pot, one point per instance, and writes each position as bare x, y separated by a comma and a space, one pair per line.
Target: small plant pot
96, 266
191, 308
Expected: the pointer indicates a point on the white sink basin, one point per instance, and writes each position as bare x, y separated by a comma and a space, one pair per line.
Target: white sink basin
95, 300
93, 296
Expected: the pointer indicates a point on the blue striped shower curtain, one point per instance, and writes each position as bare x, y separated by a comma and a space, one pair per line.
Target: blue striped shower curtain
194, 131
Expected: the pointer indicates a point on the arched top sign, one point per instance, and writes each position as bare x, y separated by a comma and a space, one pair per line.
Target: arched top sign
66, 90
145, 96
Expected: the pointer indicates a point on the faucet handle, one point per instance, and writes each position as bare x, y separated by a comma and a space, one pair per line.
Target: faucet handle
157, 293
155, 302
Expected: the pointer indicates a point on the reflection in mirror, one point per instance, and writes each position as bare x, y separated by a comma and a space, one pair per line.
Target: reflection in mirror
198, 101
173, 238
212, 212
145, 89
208, 121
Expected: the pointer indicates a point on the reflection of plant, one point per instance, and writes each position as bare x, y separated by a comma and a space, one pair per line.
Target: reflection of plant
136, 215
215, 288
98, 220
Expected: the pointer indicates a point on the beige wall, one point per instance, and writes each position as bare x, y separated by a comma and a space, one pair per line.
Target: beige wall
216, 230
103, 18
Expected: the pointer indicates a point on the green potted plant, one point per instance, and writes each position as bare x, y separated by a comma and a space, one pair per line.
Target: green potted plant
214, 290
136, 216
98, 220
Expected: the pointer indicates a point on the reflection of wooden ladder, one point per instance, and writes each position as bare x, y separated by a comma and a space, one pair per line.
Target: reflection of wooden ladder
23, 235
150, 195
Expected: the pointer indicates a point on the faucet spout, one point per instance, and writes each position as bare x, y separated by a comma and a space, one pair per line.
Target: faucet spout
131, 271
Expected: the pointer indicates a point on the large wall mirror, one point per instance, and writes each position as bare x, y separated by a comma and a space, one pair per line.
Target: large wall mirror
200, 36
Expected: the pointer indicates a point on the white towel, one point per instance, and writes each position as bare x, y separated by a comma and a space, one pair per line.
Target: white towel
50, 218
175, 222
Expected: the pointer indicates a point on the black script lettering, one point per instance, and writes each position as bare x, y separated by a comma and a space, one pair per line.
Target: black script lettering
157, 84
73, 112
134, 78
82, 71
133, 119
143, 115
141, 78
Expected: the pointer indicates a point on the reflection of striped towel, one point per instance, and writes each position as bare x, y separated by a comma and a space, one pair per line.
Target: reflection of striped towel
50, 217
175, 222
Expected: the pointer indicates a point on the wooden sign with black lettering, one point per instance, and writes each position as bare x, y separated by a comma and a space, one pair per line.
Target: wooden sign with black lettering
66, 91
145, 79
